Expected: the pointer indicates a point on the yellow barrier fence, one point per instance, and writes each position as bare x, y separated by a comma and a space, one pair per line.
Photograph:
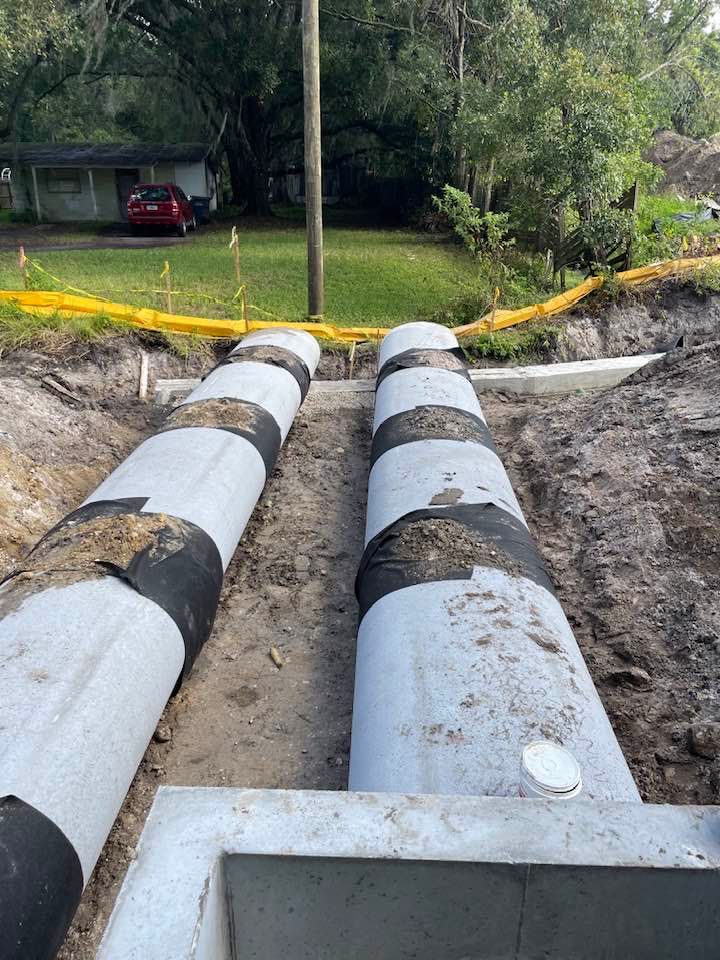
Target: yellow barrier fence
499, 319
146, 318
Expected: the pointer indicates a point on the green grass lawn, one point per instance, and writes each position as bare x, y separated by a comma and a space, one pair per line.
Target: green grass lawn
375, 277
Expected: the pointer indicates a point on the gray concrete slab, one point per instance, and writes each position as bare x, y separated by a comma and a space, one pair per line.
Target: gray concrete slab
551, 378
264, 874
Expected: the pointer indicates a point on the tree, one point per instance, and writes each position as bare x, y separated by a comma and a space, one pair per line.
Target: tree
239, 65
33, 34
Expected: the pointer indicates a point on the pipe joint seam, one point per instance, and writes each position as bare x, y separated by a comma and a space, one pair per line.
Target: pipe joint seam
165, 559
446, 543
451, 359
41, 882
276, 357
241, 417
429, 422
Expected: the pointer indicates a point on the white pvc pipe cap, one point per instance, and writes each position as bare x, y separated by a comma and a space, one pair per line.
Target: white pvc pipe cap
550, 771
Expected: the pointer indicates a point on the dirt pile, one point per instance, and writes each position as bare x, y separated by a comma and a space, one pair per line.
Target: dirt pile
639, 322
691, 167
622, 490
53, 449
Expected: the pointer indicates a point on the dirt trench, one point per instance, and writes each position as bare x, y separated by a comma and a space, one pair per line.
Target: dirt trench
238, 719
641, 320
620, 488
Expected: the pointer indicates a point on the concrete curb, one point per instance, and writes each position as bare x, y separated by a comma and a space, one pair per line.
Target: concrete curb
552, 378
224, 873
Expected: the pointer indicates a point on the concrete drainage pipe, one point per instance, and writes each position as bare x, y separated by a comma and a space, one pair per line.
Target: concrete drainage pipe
464, 653
107, 614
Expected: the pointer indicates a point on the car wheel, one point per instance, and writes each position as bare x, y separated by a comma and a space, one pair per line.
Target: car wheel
182, 229
135, 230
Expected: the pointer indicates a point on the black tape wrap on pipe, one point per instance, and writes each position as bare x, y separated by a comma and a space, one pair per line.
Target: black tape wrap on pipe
451, 360
429, 422
276, 357
241, 417
41, 882
497, 540
177, 565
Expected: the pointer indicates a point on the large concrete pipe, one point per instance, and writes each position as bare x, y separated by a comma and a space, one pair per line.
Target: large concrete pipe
107, 614
464, 654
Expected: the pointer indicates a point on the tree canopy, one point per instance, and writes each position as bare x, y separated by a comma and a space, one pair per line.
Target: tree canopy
538, 102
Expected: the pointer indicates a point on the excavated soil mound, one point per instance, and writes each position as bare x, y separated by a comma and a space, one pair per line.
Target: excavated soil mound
643, 321
65, 423
622, 491
691, 167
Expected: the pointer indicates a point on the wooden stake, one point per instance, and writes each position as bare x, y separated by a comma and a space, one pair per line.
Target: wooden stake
144, 370
235, 247
168, 286
494, 310
245, 306
22, 263
352, 361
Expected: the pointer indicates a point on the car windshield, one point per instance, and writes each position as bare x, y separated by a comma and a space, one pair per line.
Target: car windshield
153, 194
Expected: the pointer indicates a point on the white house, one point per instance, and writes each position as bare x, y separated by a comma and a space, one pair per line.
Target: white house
92, 181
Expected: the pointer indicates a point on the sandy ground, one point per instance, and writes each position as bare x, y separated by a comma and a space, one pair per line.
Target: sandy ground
239, 720
620, 489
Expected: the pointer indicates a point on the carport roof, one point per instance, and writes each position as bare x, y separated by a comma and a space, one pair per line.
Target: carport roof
103, 154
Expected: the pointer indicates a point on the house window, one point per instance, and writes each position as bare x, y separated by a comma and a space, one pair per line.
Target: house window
63, 180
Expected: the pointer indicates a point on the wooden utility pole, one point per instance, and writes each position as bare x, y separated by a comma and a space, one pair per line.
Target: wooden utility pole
313, 156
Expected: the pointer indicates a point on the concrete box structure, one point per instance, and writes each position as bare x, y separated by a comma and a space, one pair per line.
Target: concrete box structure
78, 182
227, 874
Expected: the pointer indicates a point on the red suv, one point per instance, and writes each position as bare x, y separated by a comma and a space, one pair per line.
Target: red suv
161, 205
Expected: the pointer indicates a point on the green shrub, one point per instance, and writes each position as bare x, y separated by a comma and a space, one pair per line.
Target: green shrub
533, 341
705, 279
658, 237
482, 233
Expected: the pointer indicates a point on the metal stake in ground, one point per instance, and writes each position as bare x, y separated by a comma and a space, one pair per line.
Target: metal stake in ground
313, 156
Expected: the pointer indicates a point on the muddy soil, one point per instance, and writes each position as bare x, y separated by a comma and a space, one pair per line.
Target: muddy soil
641, 321
618, 487
621, 490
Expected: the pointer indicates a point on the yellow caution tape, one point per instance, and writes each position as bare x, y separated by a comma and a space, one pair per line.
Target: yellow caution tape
499, 319
146, 318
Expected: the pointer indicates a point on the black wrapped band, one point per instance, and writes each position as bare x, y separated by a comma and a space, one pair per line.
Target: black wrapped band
276, 357
241, 417
41, 882
178, 566
429, 422
454, 541
451, 360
